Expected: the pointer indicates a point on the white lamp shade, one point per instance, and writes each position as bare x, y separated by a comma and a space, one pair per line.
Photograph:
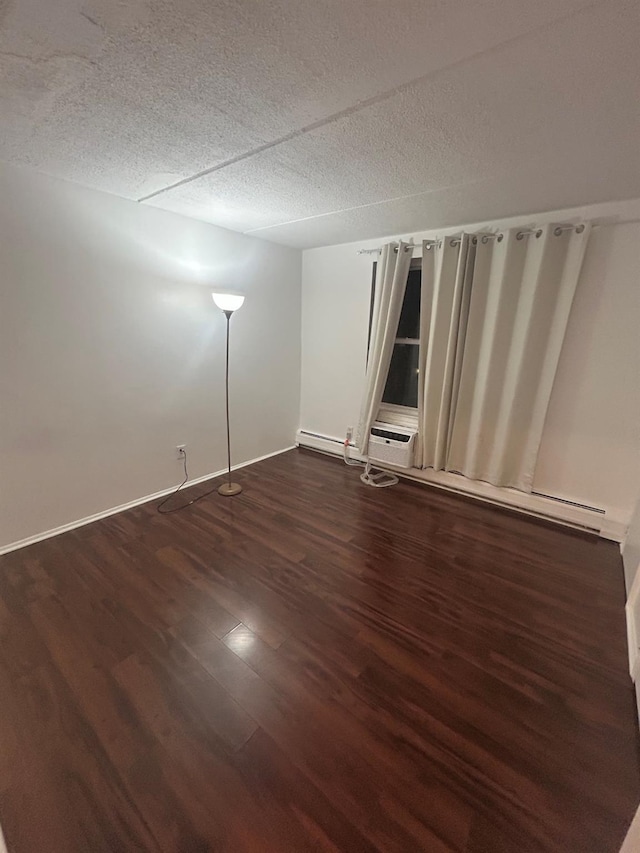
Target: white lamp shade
228, 301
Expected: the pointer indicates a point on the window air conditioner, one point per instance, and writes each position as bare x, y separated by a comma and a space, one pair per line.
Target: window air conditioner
391, 444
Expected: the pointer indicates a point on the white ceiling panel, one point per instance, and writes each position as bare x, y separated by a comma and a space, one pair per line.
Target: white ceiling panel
516, 107
302, 111
481, 202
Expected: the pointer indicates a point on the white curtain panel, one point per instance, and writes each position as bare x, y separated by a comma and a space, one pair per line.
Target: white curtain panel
523, 288
392, 273
444, 303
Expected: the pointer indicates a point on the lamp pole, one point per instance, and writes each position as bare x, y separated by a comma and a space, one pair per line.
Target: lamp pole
228, 303
228, 488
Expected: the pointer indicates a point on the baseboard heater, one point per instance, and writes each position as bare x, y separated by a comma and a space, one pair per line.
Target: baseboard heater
305, 433
333, 446
567, 502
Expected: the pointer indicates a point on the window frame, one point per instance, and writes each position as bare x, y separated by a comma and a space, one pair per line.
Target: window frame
410, 413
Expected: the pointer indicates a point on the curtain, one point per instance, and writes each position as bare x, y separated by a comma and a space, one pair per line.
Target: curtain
520, 300
392, 273
445, 294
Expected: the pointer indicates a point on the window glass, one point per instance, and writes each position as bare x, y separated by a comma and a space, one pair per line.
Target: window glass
402, 382
409, 325
401, 388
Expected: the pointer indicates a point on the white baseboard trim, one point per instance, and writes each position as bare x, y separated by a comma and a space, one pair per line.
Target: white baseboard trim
538, 506
72, 525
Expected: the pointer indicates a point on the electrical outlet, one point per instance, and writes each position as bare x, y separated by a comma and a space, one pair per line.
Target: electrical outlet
181, 451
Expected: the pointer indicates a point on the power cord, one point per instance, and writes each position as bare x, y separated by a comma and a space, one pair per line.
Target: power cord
345, 454
371, 476
166, 500
378, 478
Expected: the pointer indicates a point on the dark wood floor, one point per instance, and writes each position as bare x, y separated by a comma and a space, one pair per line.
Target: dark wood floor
316, 665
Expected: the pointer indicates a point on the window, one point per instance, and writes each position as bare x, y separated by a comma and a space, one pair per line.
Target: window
402, 382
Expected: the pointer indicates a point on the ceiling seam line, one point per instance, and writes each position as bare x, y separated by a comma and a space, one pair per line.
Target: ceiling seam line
359, 105
376, 203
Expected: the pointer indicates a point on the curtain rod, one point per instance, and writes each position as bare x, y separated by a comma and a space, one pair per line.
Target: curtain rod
525, 232
484, 238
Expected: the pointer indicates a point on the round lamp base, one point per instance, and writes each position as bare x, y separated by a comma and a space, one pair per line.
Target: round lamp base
229, 489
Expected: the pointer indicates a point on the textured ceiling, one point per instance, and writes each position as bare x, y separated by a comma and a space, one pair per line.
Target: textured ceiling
314, 123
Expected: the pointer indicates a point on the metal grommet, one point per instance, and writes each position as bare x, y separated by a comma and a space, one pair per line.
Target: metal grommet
500, 237
427, 246
519, 235
557, 231
579, 229
475, 241
485, 239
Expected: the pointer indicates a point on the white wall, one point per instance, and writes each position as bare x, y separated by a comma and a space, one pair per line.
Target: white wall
631, 843
631, 549
112, 351
590, 450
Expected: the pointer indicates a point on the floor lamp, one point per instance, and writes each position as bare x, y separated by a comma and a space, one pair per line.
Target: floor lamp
228, 303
